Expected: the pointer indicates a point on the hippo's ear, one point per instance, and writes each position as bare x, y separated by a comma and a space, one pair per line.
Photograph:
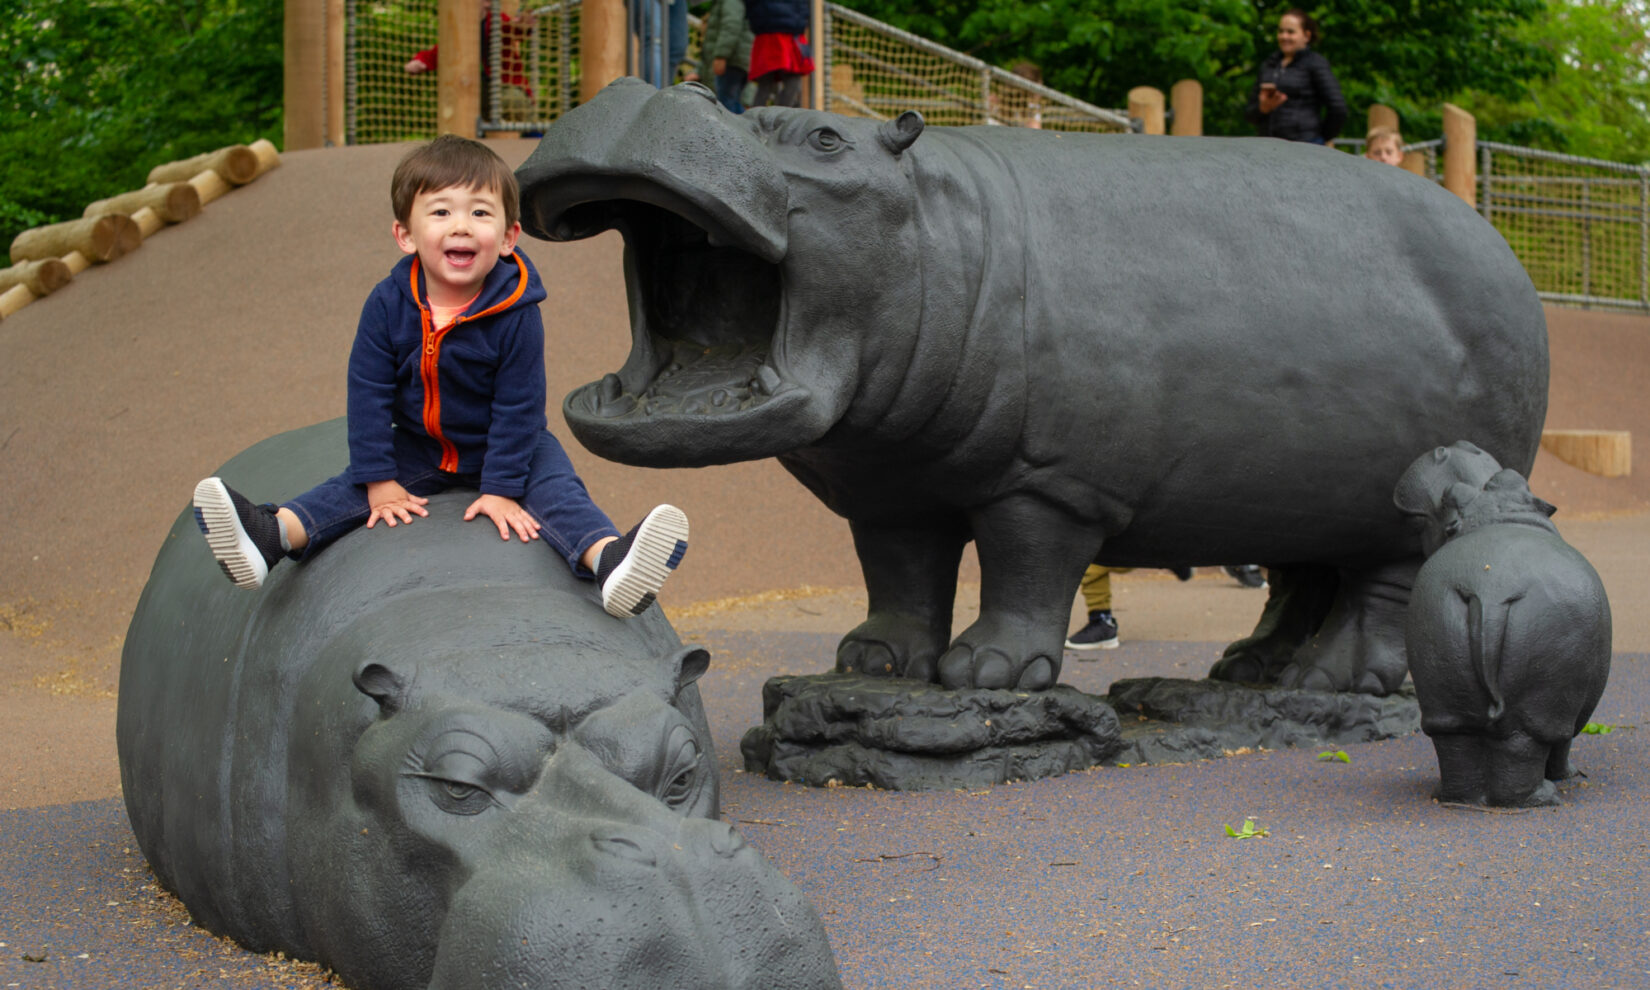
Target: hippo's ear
382, 685
900, 133
691, 664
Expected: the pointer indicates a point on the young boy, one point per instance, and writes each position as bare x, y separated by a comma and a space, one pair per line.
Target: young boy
446, 388
1384, 144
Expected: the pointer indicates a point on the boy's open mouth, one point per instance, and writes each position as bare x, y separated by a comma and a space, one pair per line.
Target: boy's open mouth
460, 258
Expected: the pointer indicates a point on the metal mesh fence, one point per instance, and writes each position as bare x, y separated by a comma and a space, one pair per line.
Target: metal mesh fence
1580, 226
383, 102
875, 70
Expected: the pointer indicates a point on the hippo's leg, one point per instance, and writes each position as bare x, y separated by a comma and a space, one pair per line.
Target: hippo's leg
911, 581
1032, 557
1516, 772
1559, 766
1460, 767
1297, 599
1360, 646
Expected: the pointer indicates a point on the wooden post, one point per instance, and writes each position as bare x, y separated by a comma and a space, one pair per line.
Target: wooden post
209, 185
1186, 96
1146, 104
458, 74
237, 164
603, 38
304, 74
14, 299
1461, 153
335, 27
1608, 453
267, 156
1381, 115
816, 38
100, 239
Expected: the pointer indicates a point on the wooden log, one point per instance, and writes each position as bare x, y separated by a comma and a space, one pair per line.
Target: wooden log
171, 202
42, 277
209, 185
76, 262
1461, 153
98, 238
14, 299
268, 156
237, 164
148, 221
603, 38
1146, 103
458, 71
1608, 453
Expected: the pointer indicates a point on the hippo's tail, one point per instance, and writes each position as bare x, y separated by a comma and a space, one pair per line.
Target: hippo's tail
1486, 638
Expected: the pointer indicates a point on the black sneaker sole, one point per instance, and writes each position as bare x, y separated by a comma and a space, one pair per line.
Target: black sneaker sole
221, 525
1105, 644
660, 542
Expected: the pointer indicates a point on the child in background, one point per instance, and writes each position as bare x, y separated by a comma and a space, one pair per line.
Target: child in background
447, 389
1384, 144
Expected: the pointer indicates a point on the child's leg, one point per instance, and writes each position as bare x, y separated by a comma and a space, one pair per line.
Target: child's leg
631, 568
324, 513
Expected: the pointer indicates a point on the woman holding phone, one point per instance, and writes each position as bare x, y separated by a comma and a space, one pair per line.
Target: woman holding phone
1297, 97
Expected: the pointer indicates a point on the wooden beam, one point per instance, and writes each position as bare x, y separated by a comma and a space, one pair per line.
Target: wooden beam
1186, 96
1608, 453
604, 38
304, 74
1146, 104
458, 71
1461, 153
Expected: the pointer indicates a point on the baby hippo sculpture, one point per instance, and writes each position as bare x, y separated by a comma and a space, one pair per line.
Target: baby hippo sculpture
1065, 348
428, 758
1508, 630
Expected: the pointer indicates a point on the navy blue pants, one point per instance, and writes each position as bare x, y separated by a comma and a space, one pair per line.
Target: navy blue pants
570, 522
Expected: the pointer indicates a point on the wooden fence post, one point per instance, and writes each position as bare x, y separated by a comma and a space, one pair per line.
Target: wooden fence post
1146, 104
1461, 153
458, 70
303, 76
816, 40
336, 22
603, 39
1381, 115
1186, 96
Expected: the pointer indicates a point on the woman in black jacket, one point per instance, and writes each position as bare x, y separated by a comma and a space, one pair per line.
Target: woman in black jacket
1296, 97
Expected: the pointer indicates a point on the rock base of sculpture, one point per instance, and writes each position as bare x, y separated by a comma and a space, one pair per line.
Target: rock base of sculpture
1173, 720
851, 730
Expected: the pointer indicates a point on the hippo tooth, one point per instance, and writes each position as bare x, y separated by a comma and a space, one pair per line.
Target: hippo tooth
719, 397
611, 388
767, 380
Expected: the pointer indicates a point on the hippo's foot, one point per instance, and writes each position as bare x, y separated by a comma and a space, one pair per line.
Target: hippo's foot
1252, 661
888, 644
1297, 600
1559, 766
1003, 652
1360, 646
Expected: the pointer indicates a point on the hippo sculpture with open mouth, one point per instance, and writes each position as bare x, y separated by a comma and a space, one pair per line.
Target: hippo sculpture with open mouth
427, 758
1067, 348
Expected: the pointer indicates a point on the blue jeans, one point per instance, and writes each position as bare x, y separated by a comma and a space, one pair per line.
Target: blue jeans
570, 522
669, 26
730, 85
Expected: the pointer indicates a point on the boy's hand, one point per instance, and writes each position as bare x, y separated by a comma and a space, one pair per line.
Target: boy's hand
506, 514
390, 502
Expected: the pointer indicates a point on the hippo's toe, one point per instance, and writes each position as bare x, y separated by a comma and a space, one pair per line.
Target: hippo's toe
964, 666
890, 645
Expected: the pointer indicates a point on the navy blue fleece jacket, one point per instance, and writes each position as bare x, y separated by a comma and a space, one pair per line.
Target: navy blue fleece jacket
472, 393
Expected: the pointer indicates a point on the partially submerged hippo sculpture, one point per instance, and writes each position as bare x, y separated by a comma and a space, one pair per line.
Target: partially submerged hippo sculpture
1067, 348
1508, 631
428, 758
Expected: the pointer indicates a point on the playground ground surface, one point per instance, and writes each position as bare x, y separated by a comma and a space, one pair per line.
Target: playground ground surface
119, 392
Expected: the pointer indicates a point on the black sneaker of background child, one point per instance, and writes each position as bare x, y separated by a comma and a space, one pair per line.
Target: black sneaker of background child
1099, 634
633, 567
245, 538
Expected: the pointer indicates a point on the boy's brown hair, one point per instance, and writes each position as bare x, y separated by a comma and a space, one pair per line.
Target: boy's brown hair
451, 160
1377, 135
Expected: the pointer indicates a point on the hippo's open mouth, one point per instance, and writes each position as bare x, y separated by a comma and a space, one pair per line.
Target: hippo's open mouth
704, 318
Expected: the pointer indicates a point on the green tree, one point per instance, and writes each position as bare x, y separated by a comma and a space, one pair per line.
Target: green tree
94, 93
1596, 102
1098, 49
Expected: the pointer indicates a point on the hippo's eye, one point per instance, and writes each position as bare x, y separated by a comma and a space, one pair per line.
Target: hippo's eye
826, 140
681, 777
456, 780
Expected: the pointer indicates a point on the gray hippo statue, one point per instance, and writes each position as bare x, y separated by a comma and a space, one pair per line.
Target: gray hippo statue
1066, 348
428, 758
1508, 630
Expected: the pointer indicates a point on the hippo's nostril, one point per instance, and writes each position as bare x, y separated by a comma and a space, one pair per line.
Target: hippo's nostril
726, 841
624, 847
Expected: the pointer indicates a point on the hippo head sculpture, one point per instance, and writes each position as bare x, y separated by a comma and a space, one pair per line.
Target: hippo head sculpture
740, 334
427, 758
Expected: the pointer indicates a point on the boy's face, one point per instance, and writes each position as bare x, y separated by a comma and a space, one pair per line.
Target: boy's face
1385, 150
458, 233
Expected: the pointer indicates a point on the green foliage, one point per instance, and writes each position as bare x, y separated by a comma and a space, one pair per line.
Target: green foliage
1598, 729
94, 93
1334, 755
1249, 830
1381, 49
